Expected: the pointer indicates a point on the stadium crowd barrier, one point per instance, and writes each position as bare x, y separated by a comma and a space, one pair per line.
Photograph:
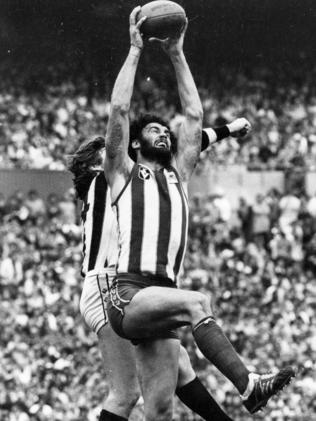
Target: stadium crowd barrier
235, 180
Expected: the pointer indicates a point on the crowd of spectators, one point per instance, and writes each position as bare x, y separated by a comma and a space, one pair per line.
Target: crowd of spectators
256, 260
38, 128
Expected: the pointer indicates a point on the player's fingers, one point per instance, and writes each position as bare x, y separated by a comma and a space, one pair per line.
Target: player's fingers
243, 123
183, 28
133, 15
139, 23
247, 125
185, 25
243, 132
153, 39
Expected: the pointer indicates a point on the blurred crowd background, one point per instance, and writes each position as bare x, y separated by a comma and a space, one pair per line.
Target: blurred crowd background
257, 262
256, 258
39, 129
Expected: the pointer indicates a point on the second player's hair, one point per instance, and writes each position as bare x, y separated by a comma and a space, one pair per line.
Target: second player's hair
81, 164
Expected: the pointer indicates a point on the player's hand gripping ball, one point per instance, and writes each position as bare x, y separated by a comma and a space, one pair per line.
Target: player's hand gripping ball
164, 19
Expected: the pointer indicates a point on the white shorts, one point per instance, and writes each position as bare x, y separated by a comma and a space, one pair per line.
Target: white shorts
93, 295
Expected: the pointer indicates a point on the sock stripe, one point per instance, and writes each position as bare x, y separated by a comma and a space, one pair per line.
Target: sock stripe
204, 321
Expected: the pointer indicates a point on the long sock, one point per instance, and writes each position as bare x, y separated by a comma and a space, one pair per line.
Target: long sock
215, 346
195, 396
109, 416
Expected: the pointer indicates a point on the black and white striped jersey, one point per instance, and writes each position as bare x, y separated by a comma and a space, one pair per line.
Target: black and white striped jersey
100, 239
152, 215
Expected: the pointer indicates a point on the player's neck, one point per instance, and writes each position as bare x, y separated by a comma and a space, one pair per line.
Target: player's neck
152, 165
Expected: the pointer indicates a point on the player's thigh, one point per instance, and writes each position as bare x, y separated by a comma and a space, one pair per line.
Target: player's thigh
92, 302
186, 372
155, 308
119, 360
157, 364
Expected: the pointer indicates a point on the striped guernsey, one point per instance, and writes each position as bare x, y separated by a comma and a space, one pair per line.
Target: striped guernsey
152, 214
100, 241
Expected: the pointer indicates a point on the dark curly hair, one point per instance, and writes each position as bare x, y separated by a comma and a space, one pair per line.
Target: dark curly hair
81, 162
137, 126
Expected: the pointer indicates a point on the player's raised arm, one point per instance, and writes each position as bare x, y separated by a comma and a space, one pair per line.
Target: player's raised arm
189, 141
117, 137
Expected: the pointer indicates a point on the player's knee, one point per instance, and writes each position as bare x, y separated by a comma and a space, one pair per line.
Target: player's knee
200, 306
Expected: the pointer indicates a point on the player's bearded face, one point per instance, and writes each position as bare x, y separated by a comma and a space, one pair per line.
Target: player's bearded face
156, 148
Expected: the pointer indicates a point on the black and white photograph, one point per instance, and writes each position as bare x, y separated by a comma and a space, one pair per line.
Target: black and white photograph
157, 210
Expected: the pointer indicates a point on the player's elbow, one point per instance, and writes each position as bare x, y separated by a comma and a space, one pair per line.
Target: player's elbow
119, 107
194, 113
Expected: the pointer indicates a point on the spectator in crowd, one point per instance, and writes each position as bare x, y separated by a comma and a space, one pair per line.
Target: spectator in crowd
35, 204
260, 221
311, 206
244, 213
310, 255
3, 206
222, 204
289, 206
67, 209
273, 198
52, 205
280, 247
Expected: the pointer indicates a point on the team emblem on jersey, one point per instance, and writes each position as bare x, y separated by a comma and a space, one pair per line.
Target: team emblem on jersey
144, 173
171, 178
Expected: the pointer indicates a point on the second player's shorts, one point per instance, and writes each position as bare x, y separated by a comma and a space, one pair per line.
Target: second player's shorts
93, 298
121, 292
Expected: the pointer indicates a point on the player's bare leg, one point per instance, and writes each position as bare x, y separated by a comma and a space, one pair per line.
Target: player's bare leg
186, 372
155, 309
157, 363
118, 356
